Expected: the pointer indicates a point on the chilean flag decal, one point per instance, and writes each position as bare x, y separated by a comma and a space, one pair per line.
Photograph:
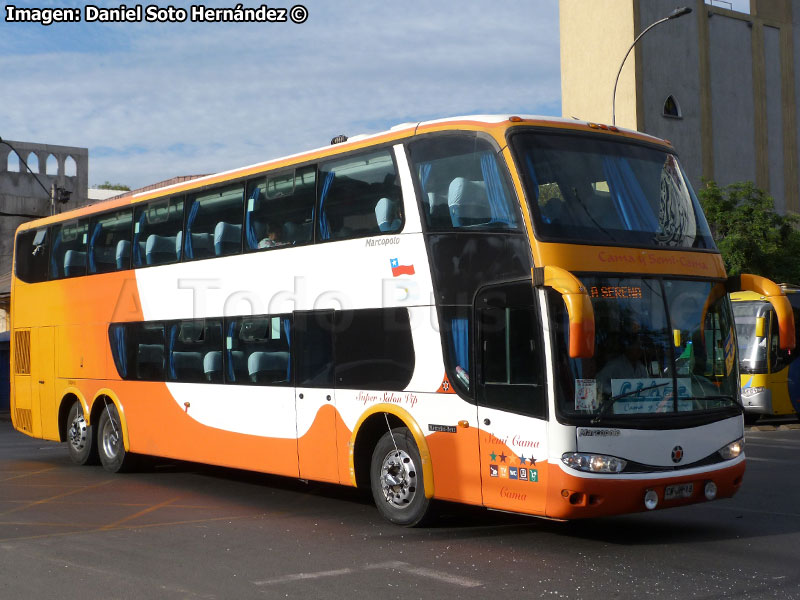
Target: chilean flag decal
398, 269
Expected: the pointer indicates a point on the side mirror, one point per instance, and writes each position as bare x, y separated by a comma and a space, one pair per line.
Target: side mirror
579, 307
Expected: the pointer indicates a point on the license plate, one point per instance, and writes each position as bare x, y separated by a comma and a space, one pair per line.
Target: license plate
681, 490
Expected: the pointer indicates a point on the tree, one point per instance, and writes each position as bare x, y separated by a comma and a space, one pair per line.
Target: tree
113, 186
751, 236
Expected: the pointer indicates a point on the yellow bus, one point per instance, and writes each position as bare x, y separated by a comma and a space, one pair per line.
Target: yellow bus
770, 375
523, 313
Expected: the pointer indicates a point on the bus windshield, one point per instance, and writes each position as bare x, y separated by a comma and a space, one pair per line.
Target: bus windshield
584, 189
660, 349
752, 349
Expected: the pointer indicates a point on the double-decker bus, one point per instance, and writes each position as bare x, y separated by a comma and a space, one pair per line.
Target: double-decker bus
523, 313
770, 375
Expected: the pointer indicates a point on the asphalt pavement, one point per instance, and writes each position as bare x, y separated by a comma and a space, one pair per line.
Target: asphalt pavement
181, 530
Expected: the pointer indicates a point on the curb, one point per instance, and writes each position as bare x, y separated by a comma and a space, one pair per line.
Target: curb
785, 427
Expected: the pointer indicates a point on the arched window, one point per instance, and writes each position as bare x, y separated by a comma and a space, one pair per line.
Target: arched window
671, 108
70, 167
13, 162
52, 165
33, 162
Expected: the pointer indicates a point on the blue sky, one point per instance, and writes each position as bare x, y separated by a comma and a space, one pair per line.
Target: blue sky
152, 100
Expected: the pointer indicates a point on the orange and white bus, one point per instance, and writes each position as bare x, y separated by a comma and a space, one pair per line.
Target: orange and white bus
523, 313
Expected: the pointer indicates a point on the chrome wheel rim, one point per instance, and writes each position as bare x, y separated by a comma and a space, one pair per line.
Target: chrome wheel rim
110, 439
398, 479
76, 434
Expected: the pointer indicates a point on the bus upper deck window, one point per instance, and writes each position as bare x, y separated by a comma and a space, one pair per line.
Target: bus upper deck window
359, 196
463, 186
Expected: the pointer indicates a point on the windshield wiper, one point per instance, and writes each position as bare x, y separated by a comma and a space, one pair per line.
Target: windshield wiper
608, 404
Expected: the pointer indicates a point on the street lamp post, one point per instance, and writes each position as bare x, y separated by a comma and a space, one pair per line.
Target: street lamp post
678, 12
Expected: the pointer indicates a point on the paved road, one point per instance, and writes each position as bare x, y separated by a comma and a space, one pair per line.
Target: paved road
187, 531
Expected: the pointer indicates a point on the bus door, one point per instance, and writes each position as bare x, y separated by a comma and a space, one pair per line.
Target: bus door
512, 397
315, 398
43, 356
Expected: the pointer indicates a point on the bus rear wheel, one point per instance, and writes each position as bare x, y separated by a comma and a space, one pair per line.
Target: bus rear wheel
396, 479
80, 437
110, 445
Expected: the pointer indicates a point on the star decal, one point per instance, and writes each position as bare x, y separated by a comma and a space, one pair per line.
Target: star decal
522, 460
533, 461
503, 457
493, 456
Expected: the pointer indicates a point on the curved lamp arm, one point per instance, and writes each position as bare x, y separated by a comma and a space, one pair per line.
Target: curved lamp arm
678, 12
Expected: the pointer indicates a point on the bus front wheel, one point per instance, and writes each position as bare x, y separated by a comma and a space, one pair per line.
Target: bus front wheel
396, 479
80, 437
110, 445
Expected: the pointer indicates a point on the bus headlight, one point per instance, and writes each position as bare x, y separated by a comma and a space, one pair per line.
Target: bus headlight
752, 391
732, 450
593, 463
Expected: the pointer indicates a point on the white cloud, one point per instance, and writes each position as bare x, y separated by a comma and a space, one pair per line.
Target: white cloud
154, 101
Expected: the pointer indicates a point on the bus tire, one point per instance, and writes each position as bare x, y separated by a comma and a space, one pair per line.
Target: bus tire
396, 479
80, 437
110, 445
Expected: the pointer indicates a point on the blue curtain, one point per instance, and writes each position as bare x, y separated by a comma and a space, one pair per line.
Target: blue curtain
494, 189
138, 259
532, 175
249, 226
629, 199
116, 334
459, 331
92, 241
187, 243
287, 333
173, 335
424, 175
229, 351
324, 224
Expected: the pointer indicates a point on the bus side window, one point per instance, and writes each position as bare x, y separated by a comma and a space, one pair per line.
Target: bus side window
463, 186
68, 254
456, 324
214, 223
195, 351
32, 255
142, 353
109, 242
258, 350
374, 349
359, 196
280, 209
158, 232
314, 349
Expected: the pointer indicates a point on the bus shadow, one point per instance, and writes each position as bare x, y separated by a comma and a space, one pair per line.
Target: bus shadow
264, 493
668, 527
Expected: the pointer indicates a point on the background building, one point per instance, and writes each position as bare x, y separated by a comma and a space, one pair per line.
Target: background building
22, 198
721, 85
